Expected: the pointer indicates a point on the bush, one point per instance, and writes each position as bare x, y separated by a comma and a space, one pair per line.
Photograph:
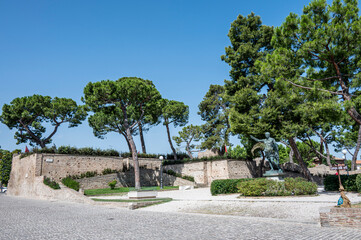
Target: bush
112, 184
299, 186
70, 183
54, 185
358, 183
348, 182
255, 187
223, 186
266, 187
277, 189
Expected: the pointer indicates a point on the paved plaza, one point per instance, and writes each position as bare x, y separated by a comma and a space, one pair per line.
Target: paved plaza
35, 219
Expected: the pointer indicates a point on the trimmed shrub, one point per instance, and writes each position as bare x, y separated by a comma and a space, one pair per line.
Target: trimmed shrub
70, 183
266, 187
255, 187
348, 182
112, 184
54, 185
277, 189
224, 186
299, 186
358, 183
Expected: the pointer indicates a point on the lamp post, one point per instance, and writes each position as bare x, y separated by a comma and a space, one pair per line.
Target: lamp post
344, 158
161, 171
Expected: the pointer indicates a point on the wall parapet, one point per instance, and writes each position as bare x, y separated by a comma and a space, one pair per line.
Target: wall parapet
340, 217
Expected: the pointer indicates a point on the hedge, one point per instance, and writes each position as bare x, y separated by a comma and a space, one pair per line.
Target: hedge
223, 186
267, 187
358, 183
74, 151
348, 182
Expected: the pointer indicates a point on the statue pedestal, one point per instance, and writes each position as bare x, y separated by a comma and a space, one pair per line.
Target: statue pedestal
274, 175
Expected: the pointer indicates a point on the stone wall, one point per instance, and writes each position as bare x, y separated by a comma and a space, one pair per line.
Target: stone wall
58, 166
340, 217
148, 177
206, 171
26, 182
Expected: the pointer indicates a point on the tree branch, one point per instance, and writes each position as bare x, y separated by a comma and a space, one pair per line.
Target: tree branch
309, 88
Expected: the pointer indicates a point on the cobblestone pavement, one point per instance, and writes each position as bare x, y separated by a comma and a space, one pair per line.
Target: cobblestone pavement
35, 219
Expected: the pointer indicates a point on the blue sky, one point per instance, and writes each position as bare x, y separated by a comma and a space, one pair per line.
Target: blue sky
56, 47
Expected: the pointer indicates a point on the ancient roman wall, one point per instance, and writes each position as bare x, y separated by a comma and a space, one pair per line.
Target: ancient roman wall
58, 166
207, 171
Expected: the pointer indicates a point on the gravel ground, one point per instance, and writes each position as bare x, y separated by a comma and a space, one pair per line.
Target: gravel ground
303, 209
35, 219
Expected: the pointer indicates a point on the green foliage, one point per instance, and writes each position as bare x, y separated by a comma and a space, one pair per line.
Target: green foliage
109, 171
120, 105
348, 182
50, 183
299, 186
237, 153
265, 187
255, 187
71, 183
28, 114
112, 184
174, 112
214, 109
180, 156
224, 186
74, 151
283, 153
358, 183
186, 177
187, 135
5, 165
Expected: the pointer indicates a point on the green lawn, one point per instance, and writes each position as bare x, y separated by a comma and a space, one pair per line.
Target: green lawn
108, 191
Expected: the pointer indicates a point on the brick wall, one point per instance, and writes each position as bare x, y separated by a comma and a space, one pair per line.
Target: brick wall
340, 217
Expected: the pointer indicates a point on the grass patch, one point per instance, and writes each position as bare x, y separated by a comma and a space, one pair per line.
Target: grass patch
108, 191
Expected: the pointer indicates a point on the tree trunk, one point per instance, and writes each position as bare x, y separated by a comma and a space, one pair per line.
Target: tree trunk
354, 157
42, 144
298, 156
189, 151
142, 138
170, 143
328, 159
290, 155
261, 164
135, 160
126, 139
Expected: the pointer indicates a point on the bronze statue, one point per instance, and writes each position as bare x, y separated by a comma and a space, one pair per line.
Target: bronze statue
271, 151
